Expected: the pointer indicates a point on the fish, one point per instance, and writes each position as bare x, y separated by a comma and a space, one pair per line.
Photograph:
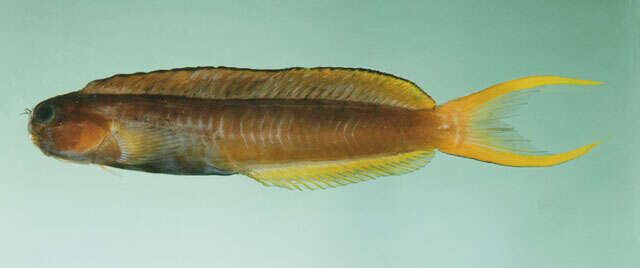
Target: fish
295, 128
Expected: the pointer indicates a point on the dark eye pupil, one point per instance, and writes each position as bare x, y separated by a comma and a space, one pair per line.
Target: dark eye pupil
43, 113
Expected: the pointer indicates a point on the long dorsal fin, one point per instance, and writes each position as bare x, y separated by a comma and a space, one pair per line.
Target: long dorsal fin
322, 83
324, 174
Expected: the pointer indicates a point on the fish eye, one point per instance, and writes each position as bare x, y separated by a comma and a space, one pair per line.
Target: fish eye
43, 113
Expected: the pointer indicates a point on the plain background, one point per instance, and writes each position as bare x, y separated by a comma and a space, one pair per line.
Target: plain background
453, 213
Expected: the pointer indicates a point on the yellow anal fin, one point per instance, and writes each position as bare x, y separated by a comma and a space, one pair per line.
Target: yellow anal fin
329, 174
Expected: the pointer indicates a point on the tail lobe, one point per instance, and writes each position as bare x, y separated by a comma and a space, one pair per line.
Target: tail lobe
480, 134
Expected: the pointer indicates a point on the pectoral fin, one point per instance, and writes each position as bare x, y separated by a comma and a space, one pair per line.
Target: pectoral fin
142, 144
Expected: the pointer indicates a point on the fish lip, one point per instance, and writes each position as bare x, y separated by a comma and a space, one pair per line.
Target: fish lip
34, 136
41, 140
42, 145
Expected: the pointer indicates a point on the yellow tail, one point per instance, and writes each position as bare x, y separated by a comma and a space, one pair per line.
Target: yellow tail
478, 133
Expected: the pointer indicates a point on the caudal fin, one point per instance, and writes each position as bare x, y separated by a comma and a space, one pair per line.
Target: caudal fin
479, 133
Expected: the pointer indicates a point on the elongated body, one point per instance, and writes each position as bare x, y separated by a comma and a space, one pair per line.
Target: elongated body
292, 128
217, 136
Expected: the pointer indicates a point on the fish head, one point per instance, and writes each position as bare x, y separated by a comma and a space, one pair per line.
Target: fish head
67, 127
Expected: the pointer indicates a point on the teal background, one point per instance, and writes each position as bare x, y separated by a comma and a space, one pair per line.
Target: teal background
453, 213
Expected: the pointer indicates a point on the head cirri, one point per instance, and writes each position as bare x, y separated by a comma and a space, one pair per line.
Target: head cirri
66, 127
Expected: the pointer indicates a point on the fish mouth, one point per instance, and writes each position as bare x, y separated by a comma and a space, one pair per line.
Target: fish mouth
39, 142
42, 141
35, 138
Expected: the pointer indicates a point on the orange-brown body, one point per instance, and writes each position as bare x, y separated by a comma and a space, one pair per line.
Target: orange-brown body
242, 134
292, 128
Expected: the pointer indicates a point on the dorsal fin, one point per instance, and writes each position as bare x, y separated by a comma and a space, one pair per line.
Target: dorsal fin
322, 83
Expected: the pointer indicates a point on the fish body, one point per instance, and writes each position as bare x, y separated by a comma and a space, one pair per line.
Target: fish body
293, 128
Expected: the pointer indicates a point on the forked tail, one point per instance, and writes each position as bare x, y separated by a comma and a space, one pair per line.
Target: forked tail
477, 132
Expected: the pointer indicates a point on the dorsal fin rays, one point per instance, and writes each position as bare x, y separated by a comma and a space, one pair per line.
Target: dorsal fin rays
321, 175
322, 83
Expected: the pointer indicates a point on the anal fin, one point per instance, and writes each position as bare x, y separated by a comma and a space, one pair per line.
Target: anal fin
328, 174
